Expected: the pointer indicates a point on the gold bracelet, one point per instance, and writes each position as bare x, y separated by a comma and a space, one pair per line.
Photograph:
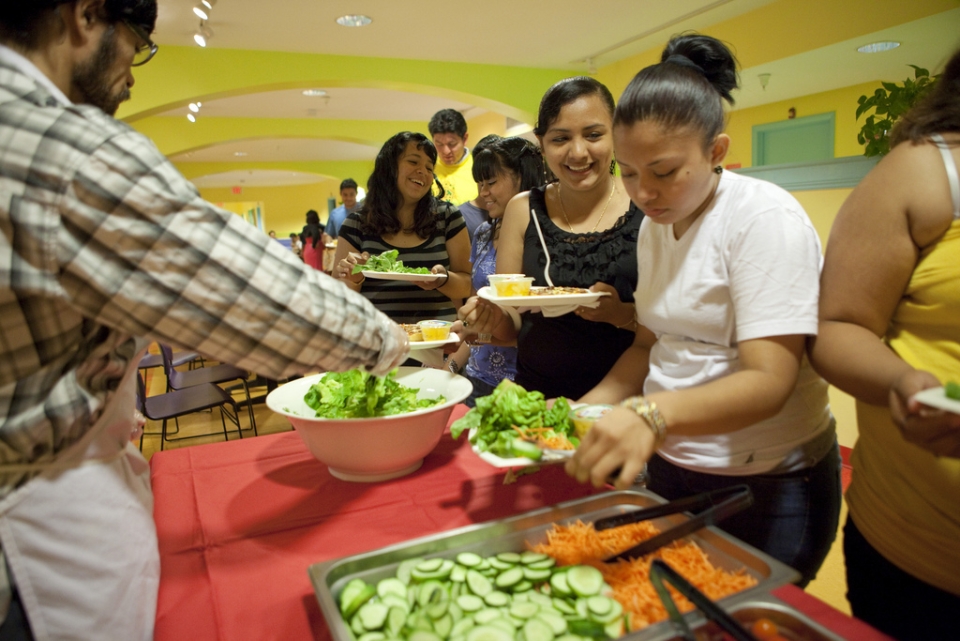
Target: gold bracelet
648, 411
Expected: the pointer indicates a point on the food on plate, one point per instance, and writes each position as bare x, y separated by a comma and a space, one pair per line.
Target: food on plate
493, 279
952, 390
583, 417
580, 544
414, 335
514, 422
558, 291
387, 262
357, 394
514, 286
435, 330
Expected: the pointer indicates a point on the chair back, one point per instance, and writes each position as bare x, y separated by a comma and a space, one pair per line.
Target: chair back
173, 376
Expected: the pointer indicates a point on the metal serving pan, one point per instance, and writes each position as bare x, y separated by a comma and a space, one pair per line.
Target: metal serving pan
515, 533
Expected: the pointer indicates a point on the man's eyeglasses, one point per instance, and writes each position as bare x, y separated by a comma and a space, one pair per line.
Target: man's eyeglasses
145, 51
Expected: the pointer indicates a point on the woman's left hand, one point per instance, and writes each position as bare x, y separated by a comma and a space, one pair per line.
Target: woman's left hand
609, 309
620, 439
935, 430
435, 283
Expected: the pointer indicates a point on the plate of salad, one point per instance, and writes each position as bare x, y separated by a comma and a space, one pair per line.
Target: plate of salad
944, 398
514, 428
386, 266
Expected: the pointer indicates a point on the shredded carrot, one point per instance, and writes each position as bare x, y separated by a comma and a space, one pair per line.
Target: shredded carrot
580, 544
545, 437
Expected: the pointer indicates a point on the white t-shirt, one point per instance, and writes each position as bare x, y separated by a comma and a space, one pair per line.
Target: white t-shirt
747, 268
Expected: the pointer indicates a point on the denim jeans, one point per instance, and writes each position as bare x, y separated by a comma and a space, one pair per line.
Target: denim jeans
794, 516
891, 600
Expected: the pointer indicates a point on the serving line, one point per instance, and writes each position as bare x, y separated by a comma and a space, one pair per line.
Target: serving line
239, 523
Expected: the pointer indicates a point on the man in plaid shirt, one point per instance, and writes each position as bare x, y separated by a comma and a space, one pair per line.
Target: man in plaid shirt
104, 246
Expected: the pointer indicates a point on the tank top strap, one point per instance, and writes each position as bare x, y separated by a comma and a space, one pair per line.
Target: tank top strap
952, 176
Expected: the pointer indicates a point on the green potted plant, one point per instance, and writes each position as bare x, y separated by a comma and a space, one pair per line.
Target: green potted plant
889, 102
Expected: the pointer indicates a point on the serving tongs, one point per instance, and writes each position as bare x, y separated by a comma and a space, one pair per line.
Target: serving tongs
661, 572
716, 505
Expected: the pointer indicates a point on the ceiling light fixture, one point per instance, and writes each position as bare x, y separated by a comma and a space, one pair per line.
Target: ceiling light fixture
239, 153
877, 47
208, 3
354, 20
764, 80
194, 107
314, 93
203, 35
202, 11
191, 118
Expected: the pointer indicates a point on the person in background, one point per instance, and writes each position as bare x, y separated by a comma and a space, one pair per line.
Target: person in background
716, 390
348, 198
104, 247
502, 168
312, 239
584, 221
272, 234
454, 170
890, 328
401, 213
472, 211
295, 245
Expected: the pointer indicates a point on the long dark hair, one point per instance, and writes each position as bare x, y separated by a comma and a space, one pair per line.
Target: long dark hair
516, 156
937, 112
686, 88
378, 215
311, 231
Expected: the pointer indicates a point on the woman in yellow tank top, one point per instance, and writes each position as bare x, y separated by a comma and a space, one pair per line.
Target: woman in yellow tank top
892, 272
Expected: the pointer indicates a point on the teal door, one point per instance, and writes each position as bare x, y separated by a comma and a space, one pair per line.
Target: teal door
798, 140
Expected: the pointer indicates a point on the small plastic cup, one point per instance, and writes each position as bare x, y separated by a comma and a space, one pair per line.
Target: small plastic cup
493, 279
435, 330
584, 416
514, 286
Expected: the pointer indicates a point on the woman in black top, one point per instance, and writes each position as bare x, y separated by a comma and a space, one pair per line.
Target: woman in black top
589, 228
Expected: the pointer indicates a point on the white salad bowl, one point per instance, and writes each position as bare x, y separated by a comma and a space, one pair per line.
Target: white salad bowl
368, 450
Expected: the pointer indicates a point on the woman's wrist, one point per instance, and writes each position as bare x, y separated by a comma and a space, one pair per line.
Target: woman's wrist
631, 323
652, 418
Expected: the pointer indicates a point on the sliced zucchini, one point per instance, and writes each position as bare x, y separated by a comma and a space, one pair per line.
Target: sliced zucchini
537, 630
509, 577
478, 584
486, 633
584, 580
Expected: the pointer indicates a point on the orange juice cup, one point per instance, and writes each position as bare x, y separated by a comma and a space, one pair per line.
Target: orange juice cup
435, 330
514, 286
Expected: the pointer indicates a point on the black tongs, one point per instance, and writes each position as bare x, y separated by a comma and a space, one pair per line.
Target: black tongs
660, 571
719, 505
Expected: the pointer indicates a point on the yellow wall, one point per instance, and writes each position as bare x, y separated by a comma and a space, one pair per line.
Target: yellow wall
284, 208
486, 124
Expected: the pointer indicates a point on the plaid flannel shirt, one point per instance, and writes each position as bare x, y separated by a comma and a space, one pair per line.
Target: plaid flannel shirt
103, 244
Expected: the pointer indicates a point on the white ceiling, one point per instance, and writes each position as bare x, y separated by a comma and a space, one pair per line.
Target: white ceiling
562, 34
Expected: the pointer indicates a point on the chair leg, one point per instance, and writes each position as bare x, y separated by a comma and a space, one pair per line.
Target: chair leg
253, 421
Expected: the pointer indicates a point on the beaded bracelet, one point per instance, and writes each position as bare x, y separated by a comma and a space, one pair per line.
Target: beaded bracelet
648, 411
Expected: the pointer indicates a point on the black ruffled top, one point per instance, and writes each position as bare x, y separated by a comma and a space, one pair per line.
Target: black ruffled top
567, 355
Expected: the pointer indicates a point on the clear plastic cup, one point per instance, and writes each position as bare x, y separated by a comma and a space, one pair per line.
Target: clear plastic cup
435, 330
514, 286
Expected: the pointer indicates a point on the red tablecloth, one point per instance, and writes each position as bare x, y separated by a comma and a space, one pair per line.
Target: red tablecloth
240, 522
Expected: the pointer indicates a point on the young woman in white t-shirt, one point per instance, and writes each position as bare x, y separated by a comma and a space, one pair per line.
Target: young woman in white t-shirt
716, 389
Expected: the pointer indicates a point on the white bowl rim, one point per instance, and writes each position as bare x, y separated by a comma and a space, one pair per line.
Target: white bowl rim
409, 371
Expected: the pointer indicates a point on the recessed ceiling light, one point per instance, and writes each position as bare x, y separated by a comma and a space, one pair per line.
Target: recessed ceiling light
202, 12
314, 92
191, 118
877, 47
194, 107
239, 153
354, 20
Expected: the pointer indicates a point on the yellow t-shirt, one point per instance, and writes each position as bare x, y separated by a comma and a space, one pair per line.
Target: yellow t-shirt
457, 180
905, 500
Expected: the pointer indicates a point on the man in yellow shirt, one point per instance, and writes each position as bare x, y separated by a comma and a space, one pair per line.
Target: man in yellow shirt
454, 169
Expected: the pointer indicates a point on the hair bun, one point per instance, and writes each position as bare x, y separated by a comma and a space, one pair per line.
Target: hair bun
709, 56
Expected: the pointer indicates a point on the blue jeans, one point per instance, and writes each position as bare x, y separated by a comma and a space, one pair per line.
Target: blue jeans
794, 516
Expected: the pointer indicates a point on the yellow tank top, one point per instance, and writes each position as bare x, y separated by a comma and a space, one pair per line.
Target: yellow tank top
904, 500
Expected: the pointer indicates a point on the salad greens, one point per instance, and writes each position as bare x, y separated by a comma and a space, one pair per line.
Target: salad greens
952, 390
509, 418
357, 394
387, 262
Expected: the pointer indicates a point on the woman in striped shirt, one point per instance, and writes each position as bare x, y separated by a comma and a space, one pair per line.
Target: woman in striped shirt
401, 213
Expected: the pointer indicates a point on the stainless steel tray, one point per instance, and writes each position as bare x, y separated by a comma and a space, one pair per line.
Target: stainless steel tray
514, 533
790, 622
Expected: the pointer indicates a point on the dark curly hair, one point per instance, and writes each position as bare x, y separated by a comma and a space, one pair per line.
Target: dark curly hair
25, 22
686, 88
937, 112
378, 215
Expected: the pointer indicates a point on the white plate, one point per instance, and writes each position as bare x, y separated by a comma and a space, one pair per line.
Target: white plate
554, 456
554, 300
413, 278
936, 397
415, 345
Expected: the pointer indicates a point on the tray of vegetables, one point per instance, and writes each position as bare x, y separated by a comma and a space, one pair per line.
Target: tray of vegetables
514, 428
538, 576
385, 266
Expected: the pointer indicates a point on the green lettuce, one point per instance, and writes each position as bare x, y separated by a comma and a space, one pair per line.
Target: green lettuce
357, 394
387, 262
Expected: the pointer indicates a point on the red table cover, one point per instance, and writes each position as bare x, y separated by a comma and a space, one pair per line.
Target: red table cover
239, 523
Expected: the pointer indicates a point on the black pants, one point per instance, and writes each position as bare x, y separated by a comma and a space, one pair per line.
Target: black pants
893, 601
16, 627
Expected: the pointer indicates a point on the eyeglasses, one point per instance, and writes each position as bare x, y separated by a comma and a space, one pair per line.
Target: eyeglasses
145, 51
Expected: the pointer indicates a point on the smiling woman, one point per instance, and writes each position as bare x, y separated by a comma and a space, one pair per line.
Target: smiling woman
400, 213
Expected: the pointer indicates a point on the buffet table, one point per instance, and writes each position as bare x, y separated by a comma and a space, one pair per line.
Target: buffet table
239, 523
